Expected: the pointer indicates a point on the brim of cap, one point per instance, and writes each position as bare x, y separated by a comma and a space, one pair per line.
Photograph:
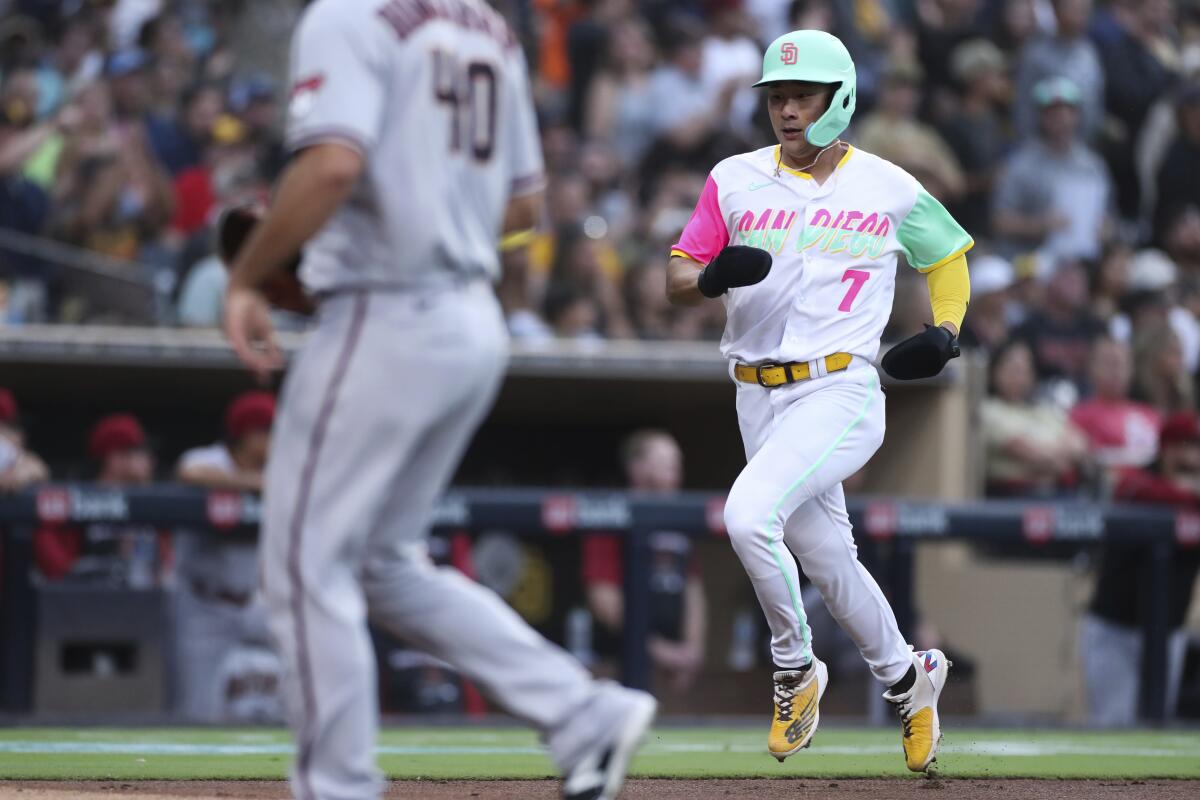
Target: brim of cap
786, 75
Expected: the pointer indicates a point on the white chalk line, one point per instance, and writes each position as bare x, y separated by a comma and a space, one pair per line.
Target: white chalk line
1007, 749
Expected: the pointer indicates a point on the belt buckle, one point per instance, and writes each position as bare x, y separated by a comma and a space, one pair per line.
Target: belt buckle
758, 374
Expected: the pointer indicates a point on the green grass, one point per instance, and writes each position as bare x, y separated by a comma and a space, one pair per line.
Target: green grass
44, 753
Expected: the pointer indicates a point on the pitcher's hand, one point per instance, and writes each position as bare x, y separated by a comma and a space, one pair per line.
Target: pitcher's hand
248, 328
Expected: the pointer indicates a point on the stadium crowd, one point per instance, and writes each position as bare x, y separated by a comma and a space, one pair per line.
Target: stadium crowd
1064, 134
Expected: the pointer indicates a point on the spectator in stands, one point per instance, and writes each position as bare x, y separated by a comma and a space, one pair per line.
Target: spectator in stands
124, 556
1139, 61
1121, 432
1054, 193
577, 265
977, 131
127, 77
19, 468
515, 292
1183, 240
1018, 25
1061, 329
696, 130
731, 57
227, 670
1108, 283
74, 61
653, 465
1178, 186
646, 299
112, 195
1111, 643
941, 26
572, 313
1069, 53
1031, 447
989, 325
179, 141
228, 162
893, 132
1153, 291
24, 203
1161, 379
254, 100
620, 108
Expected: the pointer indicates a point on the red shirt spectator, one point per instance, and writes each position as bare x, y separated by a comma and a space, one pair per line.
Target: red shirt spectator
1121, 432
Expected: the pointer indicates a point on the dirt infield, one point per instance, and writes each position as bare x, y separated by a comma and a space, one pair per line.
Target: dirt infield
653, 789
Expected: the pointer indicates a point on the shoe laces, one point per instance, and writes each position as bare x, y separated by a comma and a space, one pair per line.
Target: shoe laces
904, 710
785, 696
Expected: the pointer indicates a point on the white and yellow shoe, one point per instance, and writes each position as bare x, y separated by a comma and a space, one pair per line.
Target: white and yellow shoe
917, 709
797, 698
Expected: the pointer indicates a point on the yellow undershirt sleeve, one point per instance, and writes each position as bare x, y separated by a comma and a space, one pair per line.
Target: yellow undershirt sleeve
949, 291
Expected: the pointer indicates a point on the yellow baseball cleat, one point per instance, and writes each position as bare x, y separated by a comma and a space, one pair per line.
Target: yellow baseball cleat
797, 697
917, 709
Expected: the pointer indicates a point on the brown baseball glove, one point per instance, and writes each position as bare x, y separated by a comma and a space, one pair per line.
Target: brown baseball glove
284, 290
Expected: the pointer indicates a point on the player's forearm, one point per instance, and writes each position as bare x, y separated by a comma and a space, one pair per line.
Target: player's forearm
682, 275
214, 478
312, 188
949, 293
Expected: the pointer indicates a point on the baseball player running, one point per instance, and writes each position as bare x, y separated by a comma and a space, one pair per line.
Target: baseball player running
415, 147
800, 242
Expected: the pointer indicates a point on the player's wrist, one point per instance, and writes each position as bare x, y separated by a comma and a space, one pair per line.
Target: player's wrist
707, 284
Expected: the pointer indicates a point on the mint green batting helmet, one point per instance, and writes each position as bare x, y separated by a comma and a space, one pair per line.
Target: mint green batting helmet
816, 57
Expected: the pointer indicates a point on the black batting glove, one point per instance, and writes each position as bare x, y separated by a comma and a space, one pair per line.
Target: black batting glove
736, 265
921, 356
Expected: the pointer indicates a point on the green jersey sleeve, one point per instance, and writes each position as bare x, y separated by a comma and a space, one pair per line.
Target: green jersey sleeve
929, 236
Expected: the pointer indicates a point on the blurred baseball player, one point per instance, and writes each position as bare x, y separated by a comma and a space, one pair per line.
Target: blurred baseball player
415, 147
800, 241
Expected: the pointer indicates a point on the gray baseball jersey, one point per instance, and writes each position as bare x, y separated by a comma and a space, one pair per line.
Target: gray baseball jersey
435, 95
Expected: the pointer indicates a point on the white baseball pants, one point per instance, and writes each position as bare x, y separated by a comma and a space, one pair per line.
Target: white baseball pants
802, 440
375, 415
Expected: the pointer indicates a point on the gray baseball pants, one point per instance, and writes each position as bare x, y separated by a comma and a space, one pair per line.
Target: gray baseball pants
376, 413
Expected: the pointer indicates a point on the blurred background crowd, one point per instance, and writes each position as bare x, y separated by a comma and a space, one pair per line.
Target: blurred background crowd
1063, 134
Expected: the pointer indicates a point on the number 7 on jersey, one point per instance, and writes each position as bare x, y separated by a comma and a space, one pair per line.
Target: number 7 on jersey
857, 278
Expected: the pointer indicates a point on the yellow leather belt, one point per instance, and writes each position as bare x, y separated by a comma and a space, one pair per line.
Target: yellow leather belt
772, 375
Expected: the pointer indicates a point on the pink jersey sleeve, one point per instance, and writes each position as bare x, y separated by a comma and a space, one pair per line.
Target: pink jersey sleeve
705, 234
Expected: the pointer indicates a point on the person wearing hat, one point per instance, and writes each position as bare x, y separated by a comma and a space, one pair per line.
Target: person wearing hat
220, 621
19, 468
801, 242
1055, 193
127, 73
1111, 642
1069, 52
989, 325
126, 556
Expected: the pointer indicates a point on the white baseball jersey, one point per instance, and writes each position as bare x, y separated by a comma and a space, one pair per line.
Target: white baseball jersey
834, 245
434, 94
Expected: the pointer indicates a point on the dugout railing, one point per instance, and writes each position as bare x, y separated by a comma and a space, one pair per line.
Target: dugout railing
1027, 525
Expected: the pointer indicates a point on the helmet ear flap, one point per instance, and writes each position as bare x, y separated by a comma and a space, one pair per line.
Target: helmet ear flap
836, 118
